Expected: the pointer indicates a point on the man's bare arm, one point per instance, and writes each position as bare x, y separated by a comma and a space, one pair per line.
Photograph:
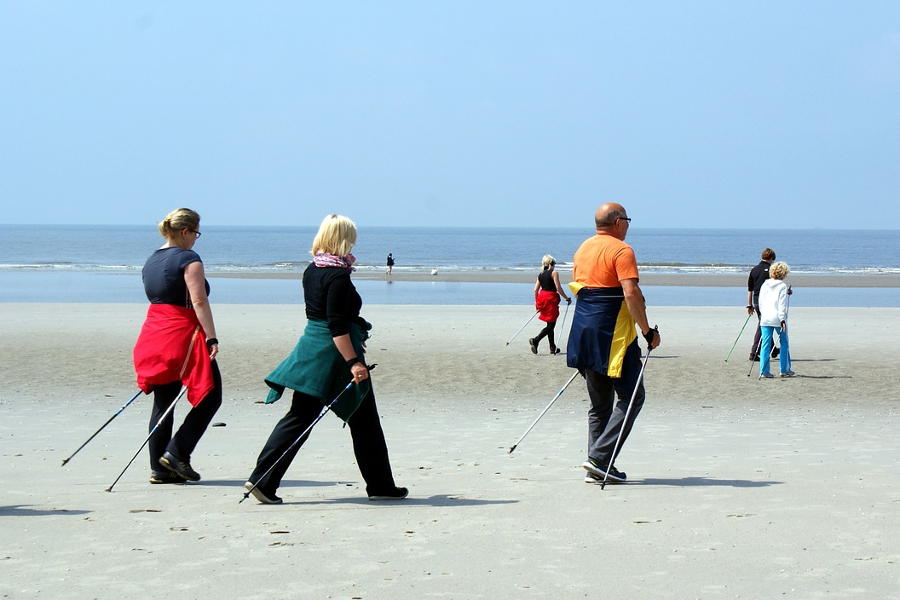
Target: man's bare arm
634, 299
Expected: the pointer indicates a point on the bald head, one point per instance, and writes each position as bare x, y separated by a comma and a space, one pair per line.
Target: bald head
611, 218
608, 215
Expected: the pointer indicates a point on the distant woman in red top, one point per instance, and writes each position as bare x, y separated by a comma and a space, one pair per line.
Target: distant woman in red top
547, 291
177, 346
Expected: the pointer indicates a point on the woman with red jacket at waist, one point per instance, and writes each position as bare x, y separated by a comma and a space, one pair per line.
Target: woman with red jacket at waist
547, 291
177, 346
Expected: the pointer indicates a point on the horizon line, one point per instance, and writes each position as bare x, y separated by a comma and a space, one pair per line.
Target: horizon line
516, 227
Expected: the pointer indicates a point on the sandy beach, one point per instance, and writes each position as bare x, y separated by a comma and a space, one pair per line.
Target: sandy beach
738, 488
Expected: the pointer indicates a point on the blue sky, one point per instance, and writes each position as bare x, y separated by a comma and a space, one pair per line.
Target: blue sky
692, 114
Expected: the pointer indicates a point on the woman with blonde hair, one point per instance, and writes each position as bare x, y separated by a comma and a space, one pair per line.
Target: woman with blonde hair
547, 291
177, 346
773, 309
328, 356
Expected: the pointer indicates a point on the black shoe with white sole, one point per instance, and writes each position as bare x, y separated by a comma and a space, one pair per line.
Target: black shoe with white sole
261, 496
179, 467
594, 468
166, 477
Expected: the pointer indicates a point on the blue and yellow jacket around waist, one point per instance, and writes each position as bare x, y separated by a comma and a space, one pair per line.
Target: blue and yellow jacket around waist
602, 330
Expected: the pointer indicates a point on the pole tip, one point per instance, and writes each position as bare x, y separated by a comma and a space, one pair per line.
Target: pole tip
65, 460
109, 489
511, 448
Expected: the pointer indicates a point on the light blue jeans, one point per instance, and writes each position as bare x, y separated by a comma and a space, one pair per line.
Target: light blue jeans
784, 357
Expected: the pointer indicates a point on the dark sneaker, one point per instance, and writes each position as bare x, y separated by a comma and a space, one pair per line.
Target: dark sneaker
533, 345
554, 350
166, 477
775, 352
594, 468
766, 376
178, 466
788, 374
398, 493
261, 496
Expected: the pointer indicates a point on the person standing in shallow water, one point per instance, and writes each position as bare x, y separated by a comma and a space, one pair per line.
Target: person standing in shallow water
390, 264
547, 291
178, 345
328, 356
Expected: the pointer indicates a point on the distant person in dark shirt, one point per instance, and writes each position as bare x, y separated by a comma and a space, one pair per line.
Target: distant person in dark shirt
327, 357
758, 275
177, 346
390, 263
547, 291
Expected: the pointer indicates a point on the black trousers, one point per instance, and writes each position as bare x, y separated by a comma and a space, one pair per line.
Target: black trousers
609, 403
547, 332
757, 336
182, 444
365, 429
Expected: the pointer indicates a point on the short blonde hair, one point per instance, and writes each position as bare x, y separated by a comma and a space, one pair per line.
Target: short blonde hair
337, 235
779, 270
547, 261
178, 219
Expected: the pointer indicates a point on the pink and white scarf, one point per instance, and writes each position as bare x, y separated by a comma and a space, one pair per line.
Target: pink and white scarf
324, 259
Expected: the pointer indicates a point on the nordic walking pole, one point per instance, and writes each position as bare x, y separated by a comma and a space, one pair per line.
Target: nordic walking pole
756, 353
637, 384
108, 421
740, 333
322, 413
558, 394
523, 327
562, 328
152, 431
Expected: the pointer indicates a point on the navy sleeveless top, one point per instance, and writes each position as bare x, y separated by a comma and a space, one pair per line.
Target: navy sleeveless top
163, 276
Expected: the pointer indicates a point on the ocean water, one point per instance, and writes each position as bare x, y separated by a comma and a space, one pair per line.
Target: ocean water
102, 263
259, 249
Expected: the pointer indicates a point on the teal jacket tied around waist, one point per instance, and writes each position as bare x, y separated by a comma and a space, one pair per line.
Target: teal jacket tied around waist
316, 368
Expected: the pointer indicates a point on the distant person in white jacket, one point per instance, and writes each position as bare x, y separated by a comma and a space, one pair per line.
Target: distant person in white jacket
773, 308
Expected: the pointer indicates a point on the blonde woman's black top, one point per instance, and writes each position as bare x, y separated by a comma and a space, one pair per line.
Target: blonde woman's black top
331, 296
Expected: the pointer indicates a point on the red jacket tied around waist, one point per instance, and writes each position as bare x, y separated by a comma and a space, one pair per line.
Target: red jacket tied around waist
172, 347
547, 303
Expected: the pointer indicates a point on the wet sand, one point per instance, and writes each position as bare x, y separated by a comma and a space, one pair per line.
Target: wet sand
879, 280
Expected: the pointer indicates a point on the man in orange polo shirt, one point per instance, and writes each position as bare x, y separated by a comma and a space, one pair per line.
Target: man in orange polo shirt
603, 342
